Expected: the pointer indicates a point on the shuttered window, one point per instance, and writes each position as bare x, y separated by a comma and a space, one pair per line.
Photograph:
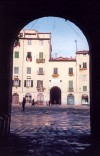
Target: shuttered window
84, 65
70, 84
28, 83
29, 55
40, 55
70, 70
16, 54
84, 88
16, 83
16, 70
55, 71
28, 70
39, 83
40, 71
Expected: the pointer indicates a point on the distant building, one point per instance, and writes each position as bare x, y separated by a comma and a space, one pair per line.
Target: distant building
38, 76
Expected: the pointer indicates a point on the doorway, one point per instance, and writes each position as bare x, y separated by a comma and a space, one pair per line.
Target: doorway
15, 98
70, 99
55, 95
85, 99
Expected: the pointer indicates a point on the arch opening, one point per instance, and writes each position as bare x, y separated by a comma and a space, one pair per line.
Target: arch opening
70, 99
55, 95
67, 58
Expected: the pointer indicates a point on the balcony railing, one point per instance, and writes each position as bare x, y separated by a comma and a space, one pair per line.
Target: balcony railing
71, 74
40, 73
55, 75
40, 60
82, 68
40, 89
70, 89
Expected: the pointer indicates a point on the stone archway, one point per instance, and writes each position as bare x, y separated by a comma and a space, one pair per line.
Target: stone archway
70, 99
20, 14
85, 99
55, 95
40, 99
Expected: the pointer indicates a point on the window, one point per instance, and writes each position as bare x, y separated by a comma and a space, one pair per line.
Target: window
84, 88
29, 42
29, 57
16, 54
55, 71
16, 70
70, 70
16, 82
40, 85
41, 55
84, 65
40, 71
70, 85
28, 83
28, 70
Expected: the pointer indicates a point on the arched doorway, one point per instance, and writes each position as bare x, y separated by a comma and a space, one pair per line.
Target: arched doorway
28, 97
85, 99
40, 99
70, 99
15, 98
55, 95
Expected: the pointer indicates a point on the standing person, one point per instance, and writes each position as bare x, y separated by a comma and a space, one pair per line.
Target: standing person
33, 102
23, 103
49, 102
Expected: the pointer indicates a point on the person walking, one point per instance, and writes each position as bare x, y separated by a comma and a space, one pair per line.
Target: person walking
23, 103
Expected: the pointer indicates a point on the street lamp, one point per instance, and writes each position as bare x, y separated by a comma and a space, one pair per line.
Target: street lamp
76, 45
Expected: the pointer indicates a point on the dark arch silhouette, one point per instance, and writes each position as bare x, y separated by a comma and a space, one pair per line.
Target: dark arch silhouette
16, 14
55, 95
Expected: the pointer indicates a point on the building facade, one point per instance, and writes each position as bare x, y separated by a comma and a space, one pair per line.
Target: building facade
39, 76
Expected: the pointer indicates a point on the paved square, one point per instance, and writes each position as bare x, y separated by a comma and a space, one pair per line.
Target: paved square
49, 131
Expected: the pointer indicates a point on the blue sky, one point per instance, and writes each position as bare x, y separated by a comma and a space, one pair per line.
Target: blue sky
63, 35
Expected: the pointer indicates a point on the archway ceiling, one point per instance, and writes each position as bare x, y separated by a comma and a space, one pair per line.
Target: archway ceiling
21, 11
16, 14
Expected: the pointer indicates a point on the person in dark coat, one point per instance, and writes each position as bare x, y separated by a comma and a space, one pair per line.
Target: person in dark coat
23, 103
49, 102
33, 102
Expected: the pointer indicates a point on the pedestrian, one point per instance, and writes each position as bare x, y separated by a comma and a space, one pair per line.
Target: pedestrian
49, 102
23, 103
33, 102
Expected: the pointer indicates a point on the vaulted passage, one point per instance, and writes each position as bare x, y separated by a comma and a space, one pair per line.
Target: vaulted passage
55, 95
15, 14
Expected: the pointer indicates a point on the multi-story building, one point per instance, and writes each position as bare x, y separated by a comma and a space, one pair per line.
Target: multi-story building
38, 76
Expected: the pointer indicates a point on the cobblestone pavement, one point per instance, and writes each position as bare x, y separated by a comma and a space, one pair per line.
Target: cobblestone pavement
49, 131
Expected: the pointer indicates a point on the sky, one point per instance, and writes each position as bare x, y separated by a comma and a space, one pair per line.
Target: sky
66, 37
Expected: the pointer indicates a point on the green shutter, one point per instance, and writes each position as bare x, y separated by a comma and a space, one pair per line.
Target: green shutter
16, 54
41, 55
70, 84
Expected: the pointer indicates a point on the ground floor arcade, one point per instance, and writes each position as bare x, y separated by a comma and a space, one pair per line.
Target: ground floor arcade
55, 95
